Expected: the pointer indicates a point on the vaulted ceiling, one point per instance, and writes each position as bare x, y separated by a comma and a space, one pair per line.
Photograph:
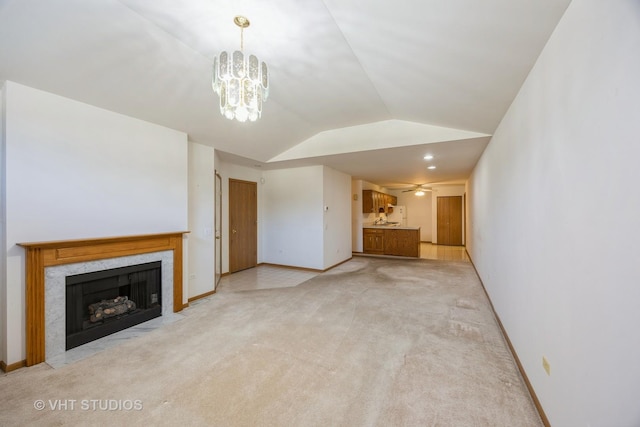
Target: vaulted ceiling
366, 87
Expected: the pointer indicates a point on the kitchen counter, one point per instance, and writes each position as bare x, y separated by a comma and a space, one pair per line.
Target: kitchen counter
391, 239
394, 226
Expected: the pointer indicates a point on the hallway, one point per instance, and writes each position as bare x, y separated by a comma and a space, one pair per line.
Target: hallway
266, 276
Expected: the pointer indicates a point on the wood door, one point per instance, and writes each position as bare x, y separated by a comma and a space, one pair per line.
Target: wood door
243, 225
218, 231
449, 218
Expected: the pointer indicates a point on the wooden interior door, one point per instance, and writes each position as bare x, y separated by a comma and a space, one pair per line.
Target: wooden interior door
243, 225
449, 221
218, 231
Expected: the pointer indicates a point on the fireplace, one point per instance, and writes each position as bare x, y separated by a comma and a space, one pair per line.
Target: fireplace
49, 263
104, 302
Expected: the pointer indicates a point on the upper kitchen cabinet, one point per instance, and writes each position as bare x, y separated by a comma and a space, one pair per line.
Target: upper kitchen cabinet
370, 201
373, 200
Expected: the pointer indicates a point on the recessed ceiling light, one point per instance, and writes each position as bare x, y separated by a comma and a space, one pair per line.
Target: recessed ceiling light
431, 167
428, 157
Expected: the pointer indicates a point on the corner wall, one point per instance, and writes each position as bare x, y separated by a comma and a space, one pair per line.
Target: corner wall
337, 217
293, 217
356, 216
3, 231
201, 220
298, 230
554, 218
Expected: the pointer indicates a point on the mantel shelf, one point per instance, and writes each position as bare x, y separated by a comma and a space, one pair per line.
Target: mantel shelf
54, 244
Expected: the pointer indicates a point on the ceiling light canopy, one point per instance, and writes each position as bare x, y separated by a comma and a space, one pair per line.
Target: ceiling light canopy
241, 81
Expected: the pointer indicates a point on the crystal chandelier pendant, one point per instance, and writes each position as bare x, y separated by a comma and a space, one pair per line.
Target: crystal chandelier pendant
241, 81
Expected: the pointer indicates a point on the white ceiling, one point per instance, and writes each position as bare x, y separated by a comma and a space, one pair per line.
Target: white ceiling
367, 87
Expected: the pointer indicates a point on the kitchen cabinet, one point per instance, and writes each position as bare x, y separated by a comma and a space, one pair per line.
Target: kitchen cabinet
402, 243
391, 200
369, 204
373, 241
373, 200
392, 241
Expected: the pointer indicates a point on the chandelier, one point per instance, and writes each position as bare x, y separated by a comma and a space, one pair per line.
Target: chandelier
241, 81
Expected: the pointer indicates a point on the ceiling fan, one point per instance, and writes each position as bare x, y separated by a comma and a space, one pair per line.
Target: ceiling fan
418, 188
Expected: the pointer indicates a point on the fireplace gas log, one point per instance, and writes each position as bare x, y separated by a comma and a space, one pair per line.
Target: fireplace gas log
110, 308
103, 302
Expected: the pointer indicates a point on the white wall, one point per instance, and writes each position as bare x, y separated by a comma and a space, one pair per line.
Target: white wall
555, 215
337, 214
3, 232
294, 217
75, 171
298, 230
201, 219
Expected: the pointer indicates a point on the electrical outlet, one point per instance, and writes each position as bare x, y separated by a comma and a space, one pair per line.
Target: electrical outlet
546, 366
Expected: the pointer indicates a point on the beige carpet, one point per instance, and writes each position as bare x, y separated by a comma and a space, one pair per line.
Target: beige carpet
373, 342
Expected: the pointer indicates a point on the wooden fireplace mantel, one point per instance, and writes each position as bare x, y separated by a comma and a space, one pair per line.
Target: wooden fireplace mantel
46, 254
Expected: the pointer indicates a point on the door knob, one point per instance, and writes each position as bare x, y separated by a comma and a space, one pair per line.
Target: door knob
233, 231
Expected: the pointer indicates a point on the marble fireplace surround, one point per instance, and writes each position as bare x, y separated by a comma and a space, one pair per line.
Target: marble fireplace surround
87, 255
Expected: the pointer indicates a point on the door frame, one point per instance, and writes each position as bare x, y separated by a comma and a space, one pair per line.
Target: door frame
218, 230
